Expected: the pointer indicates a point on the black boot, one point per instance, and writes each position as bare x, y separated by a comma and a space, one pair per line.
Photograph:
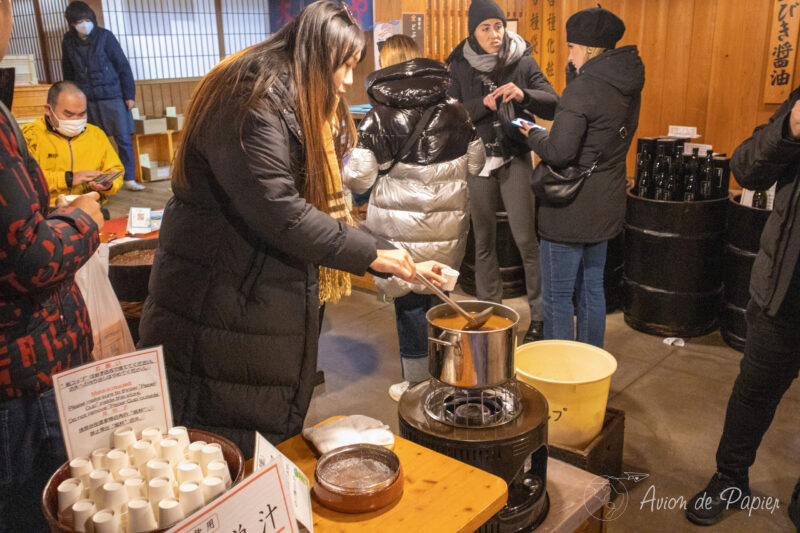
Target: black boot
794, 506
535, 332
720, 495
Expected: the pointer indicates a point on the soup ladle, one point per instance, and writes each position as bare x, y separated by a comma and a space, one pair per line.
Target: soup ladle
474, 320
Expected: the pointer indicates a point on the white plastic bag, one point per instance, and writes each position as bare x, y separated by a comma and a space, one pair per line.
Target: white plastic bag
109, 328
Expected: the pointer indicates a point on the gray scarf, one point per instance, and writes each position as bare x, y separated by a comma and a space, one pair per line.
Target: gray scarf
487, 62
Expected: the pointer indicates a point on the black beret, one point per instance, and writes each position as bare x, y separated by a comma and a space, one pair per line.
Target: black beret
595, 27
480, 10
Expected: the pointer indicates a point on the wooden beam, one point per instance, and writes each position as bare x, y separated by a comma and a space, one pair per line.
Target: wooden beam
37, 14
220, 33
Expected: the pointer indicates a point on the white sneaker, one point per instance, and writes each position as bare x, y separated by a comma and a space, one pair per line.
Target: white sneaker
131, 185
397, 390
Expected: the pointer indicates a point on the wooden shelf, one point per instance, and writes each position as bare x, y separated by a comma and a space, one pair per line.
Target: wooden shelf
159, 146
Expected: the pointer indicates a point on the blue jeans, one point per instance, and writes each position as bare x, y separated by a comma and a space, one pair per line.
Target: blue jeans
412, 330
125, 149
567, 268
31, 449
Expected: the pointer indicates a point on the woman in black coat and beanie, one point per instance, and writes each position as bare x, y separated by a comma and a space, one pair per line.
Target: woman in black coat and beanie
257, 232
494, 76
594, 122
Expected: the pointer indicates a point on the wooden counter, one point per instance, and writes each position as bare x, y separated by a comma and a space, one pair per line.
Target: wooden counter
440, 494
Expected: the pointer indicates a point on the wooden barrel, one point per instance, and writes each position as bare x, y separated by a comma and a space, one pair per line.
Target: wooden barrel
673, 265
742, 235
512, 273
130, 281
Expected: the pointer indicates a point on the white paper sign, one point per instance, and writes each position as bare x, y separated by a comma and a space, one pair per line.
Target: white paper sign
135, 113
296, 482
139, 220
256, 505
686, 132
171, 112
94, 399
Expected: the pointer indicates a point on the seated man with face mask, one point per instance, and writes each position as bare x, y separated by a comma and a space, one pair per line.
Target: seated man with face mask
71, 153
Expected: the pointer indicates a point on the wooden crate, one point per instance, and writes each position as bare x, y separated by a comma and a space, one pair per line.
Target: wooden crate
29, 101
158, 146
602, 456
24, 69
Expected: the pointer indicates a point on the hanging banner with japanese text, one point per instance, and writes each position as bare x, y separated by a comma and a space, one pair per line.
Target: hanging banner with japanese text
282, 12
782, 51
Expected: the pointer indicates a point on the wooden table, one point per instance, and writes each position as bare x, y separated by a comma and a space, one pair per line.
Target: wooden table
440, 494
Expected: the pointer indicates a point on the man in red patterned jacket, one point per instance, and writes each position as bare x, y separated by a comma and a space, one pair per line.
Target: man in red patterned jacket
44, 325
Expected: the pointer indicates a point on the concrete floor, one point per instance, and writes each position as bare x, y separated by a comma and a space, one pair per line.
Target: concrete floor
674, 400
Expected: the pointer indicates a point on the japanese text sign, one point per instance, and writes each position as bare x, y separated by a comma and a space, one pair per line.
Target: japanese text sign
781, 51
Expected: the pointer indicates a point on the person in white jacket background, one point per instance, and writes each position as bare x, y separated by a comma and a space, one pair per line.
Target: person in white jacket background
415, 149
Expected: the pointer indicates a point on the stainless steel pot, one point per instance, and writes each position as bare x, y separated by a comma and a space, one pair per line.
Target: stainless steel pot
471, 359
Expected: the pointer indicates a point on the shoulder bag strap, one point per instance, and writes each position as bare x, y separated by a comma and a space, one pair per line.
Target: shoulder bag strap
412, 139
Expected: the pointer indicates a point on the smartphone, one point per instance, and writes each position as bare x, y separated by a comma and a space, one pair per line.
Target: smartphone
521, 121
108, 177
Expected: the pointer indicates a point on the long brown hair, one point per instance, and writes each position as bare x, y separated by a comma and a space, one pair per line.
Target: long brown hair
321, 39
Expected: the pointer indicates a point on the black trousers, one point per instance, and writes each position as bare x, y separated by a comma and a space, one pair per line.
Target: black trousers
771, 362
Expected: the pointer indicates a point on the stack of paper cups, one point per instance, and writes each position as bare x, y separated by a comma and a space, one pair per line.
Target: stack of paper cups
69, 491
140, 516
159, 468
213, 486
81, 467
99, 458
171, 451
159, 489
169, 512
195, 451
82, 512
153, 435
191, 497
180, 434
97, 479
116, 460
127, 473
115, 496
124, 437
189, 472
211, 452
106, 521
141, 452
220, 470
136, 487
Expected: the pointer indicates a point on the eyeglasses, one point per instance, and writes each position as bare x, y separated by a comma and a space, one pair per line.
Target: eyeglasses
349, 12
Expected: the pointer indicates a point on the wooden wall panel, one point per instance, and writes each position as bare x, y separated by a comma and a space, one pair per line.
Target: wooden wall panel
152, 97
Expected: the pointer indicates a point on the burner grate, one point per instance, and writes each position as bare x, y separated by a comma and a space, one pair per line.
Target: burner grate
473, 407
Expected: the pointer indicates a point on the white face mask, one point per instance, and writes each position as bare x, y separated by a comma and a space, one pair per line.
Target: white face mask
84, 27
69, 128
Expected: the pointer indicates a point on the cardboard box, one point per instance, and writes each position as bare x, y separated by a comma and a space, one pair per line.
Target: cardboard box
156, 171
146, 126
175, 123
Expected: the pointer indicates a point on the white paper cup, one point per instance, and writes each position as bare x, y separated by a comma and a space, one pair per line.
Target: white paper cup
82, 512
154, 435
69, 491
124, 437
127, 473
116, 460
115, 496
81, 467
220, 469
99, 457
171, 451
169, 512
213, 486
136, 487
195, 451
189, 472
141, 452
106, 521
159, 489
211, 452
159, 468
191, 497
180, 434
140, 516
97, 479
451, 275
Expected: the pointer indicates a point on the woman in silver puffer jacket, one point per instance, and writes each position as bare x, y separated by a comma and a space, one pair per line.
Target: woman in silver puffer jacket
421, 203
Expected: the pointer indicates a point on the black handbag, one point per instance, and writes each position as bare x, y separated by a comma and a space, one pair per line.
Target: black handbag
559, 186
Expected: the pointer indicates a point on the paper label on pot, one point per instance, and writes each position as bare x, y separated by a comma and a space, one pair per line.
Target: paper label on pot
258, 504
94, 399
296, 483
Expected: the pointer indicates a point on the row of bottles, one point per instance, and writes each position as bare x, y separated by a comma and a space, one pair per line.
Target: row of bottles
669, 175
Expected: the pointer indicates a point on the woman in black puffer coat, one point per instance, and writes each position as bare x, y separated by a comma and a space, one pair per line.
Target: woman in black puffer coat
493, 67
595, 119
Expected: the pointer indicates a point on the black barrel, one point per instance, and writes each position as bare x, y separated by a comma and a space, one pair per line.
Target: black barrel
130, 281
673, 265
512, 272
742, 235
613, 273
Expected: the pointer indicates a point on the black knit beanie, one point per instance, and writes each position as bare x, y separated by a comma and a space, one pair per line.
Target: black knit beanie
595, 27
480, 10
